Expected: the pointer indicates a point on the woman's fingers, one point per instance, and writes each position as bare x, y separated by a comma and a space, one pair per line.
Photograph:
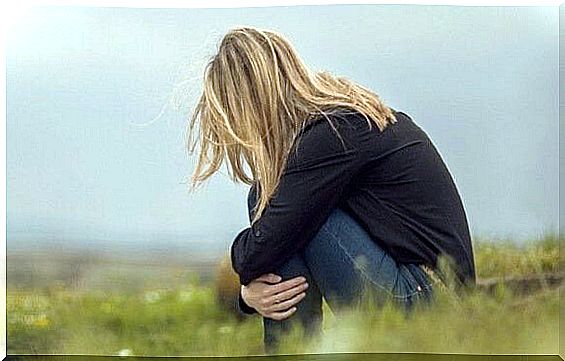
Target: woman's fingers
285, 305
285, 295
281, 315
286, 285
269, 277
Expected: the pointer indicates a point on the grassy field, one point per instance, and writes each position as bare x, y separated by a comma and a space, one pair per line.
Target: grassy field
185, 317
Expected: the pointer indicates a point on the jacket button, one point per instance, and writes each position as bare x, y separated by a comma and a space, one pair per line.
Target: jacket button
257, 233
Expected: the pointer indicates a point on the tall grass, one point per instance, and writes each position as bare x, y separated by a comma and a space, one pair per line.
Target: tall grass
505, 258
477, 324
188, 320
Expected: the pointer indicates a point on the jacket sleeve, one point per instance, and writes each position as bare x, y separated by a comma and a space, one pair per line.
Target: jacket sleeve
318, 172
251, 202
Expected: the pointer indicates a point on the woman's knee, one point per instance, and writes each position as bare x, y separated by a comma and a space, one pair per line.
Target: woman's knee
309, 308
294, 267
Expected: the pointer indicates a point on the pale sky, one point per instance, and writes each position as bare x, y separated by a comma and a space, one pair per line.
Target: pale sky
95, 149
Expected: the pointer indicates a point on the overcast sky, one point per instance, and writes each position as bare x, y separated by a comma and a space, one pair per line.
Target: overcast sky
96, 150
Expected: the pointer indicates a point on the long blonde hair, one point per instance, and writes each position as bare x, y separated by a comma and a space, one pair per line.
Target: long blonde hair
257, 96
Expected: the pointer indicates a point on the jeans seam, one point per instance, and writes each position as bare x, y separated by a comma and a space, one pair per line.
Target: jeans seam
365, 275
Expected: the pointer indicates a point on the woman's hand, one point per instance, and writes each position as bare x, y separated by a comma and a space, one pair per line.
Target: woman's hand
272, 298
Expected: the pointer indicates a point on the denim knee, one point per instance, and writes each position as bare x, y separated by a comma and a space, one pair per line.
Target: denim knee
308, 312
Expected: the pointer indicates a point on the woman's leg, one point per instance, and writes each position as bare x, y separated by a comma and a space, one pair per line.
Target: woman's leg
340, 263
345, 261
308, 313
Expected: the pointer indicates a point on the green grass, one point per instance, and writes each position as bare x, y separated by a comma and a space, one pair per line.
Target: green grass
187, 320
479, 324
506, 258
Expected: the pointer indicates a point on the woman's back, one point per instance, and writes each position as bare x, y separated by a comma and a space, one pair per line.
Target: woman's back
406, 198
393, 182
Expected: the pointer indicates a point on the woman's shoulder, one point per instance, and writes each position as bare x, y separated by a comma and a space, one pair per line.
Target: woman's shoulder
346, 133
326, 135
336, 118
327, 125
348, 121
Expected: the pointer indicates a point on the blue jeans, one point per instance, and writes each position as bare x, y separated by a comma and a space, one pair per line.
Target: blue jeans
340, 263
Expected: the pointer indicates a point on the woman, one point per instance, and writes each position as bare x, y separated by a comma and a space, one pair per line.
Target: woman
347, 194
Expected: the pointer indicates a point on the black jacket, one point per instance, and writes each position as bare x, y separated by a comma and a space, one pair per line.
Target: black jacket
394, 183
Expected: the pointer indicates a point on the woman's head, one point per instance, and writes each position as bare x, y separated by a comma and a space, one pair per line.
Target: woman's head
257, 96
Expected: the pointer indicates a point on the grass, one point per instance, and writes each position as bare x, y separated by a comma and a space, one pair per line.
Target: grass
479, 324
187, 320
505, 258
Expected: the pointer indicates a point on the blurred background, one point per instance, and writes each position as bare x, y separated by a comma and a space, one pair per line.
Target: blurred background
97, 168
